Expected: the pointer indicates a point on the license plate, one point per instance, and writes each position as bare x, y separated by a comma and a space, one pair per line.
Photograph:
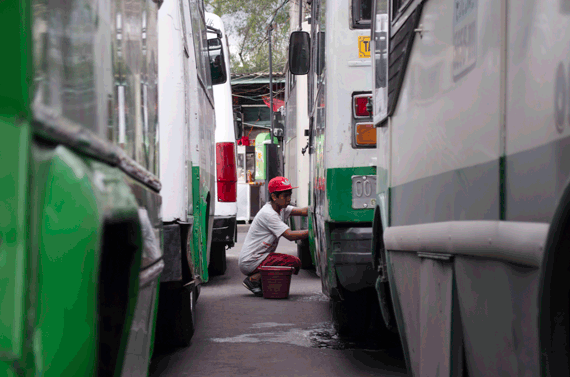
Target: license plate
363, 191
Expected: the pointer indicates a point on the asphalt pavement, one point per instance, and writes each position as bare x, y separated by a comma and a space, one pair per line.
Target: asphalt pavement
239, 334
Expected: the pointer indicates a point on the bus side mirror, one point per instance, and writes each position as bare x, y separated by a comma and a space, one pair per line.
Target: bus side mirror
299, 52
217, 63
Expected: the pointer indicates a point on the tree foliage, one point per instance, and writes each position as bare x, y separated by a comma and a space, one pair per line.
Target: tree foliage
246, 23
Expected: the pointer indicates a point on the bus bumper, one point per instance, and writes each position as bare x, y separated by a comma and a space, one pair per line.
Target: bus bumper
352, 258
224, 230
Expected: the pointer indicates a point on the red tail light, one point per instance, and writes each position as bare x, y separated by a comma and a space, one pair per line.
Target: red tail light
360, 102
226, 172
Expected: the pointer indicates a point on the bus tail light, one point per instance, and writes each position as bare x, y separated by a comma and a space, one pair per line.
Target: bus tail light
360, 103
226, 172
365, 134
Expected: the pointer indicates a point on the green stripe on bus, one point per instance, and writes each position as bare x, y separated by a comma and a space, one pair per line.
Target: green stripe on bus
15, 89
339, 194
199, 227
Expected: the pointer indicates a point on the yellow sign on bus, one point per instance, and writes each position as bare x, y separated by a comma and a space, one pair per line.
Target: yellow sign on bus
364, 46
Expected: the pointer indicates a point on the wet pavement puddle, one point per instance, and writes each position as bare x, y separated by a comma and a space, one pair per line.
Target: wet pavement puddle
322, 335
317, 297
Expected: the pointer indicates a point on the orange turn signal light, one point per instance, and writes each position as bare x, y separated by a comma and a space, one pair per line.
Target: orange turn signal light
365, 134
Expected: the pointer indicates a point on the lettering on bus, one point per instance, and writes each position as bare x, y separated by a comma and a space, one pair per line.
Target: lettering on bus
464, 37
364, 46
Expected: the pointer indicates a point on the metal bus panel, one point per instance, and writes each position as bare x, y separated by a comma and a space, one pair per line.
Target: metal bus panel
203, 179
297, 122
63, 342
537, 129
443, 128
14, 243
302, 159
297, 164
105, 203
346, 73
202, 124
174, 130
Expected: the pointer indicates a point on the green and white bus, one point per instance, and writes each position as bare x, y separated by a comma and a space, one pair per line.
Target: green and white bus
88, 229
80, 241
342, 150
472, 223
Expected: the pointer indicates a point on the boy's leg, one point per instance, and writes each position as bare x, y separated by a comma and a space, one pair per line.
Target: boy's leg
253, 285
278, 259
253, 280
256, 276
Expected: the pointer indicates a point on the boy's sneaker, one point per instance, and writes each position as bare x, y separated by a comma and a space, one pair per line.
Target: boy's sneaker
253, 286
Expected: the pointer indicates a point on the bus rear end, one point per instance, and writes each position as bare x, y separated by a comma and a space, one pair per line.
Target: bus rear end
224, 230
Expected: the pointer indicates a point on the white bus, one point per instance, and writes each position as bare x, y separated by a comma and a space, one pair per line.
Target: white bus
471, 231
187, 124
224, 232
342, 149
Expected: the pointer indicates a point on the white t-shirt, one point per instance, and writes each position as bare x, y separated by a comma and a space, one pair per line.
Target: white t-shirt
263, 236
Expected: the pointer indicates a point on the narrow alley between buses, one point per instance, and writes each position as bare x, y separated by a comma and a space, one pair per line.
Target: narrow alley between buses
239, 334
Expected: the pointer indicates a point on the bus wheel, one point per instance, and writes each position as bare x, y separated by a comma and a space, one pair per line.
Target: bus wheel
351, 317
218, 263
304, 254
175, 322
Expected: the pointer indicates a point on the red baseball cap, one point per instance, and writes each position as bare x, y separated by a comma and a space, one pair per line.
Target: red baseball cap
279, 184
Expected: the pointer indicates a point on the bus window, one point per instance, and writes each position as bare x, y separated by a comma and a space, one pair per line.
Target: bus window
320, 53
361, 13
217, 66
398, 7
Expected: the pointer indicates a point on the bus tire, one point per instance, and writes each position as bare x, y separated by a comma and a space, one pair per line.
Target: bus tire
351, 316
218, 264
554, 286
176, 315
304, 254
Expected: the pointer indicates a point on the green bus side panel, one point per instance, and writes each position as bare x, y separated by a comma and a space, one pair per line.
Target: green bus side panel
14, 157
120, 205
71, 199
17, 58
14, 154
199, 227
6, 370
312, 245
339, 194
65, 334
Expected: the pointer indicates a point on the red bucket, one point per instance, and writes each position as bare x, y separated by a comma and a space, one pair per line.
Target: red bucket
276, 281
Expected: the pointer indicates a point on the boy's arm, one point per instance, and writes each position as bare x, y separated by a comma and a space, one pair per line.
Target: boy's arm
294, 235
300, 211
